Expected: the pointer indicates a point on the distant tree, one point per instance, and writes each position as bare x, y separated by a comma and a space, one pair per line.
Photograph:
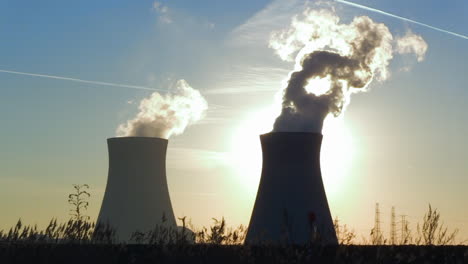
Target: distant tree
433, 232
217, 235
79, 202
344, 235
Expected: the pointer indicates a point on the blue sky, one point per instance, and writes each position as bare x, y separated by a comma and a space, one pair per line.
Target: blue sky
408, 133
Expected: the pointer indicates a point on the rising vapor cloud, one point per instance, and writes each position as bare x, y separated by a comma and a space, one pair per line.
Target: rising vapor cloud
166, 115
412, 43
344, 57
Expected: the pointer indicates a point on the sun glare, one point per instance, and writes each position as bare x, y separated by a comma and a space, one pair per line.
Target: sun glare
336, 152
246, 149
318, 86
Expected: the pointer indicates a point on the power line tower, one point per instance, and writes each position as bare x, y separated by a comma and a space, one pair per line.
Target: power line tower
393, 227
377, 232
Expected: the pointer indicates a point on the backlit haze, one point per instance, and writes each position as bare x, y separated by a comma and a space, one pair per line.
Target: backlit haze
395, 119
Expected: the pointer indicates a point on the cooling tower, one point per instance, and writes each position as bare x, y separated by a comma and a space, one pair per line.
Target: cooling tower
291, 205
137, 196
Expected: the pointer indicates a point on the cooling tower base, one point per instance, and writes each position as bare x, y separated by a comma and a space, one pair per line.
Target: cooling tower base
137, 195
291, 205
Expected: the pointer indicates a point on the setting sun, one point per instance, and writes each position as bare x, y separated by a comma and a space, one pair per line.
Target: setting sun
246, 149
246, 154
336, 154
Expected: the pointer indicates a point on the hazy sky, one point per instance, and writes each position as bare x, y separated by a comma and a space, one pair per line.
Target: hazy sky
402, 144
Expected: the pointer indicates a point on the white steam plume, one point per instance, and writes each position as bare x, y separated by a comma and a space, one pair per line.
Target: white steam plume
411, 43
165, 115
346, 57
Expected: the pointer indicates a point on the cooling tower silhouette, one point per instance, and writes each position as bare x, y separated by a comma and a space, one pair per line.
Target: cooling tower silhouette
137, 196
291, 204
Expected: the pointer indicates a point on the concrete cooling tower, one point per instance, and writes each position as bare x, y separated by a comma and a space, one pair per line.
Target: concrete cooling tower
137, 196
291, 206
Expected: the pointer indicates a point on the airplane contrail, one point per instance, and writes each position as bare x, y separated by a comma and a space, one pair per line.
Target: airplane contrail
138, 87
82, 81
402, 18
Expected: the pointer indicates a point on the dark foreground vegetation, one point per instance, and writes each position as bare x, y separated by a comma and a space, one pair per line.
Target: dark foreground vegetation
208, 253
79, 240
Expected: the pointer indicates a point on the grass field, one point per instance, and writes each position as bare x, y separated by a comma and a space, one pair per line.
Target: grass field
79, 240
209, 253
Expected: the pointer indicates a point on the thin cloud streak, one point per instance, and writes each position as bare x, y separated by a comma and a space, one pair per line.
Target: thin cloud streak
256, 30
202, 194
195, 160
217, 116
82, 81
249, 80
137, 87
402, 18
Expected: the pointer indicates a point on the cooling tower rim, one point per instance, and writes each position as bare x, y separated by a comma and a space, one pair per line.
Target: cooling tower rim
120, 139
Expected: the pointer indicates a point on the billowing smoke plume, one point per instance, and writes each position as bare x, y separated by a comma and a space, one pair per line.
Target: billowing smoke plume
165, 115
346, 56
